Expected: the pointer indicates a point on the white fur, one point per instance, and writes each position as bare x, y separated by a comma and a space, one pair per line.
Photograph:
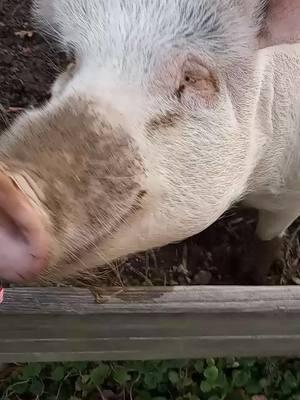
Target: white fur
136, 30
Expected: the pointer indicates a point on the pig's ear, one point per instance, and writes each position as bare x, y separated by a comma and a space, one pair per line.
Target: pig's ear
281, 23
23, 239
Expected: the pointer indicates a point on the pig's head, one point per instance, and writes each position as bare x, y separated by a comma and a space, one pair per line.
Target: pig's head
150, 140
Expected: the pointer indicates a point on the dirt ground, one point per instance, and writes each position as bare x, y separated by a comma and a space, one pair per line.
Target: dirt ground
28, 64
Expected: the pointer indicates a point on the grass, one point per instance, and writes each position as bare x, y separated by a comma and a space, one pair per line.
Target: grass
162, 380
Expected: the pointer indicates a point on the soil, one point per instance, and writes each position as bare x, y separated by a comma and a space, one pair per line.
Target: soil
28, 65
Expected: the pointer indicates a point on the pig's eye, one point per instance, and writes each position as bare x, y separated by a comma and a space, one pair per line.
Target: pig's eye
180, 90
197, 83
189, 79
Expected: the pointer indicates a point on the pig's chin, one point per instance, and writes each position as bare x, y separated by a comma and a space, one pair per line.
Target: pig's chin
149, 230
142, 232
138, 231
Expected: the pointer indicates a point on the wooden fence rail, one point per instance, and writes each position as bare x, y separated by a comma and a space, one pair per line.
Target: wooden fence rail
66, 324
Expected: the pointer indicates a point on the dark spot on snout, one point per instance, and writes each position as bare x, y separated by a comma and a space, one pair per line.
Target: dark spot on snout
141, 194
138, 205
163, 121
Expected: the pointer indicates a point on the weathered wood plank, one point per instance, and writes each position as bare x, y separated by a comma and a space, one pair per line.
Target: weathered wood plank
70, 300
52, 324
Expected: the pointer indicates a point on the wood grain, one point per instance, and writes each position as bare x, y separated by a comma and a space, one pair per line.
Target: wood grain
59, 324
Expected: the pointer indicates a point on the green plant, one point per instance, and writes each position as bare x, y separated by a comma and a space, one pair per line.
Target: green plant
229, 379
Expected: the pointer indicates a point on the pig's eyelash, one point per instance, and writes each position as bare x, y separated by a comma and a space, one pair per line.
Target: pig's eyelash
186, 80
179, 91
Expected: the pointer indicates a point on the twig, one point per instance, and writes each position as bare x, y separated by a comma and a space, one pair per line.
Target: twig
14, 109
141, 275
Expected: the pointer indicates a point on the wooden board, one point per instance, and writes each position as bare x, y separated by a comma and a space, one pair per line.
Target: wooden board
66, 324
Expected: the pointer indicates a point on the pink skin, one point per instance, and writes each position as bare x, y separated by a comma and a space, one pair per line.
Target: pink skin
23, 240
282, 23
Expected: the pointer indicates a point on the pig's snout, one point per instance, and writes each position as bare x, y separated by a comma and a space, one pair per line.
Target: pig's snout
66, 189
23, 240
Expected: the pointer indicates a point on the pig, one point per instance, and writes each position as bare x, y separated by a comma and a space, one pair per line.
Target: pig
173, 111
